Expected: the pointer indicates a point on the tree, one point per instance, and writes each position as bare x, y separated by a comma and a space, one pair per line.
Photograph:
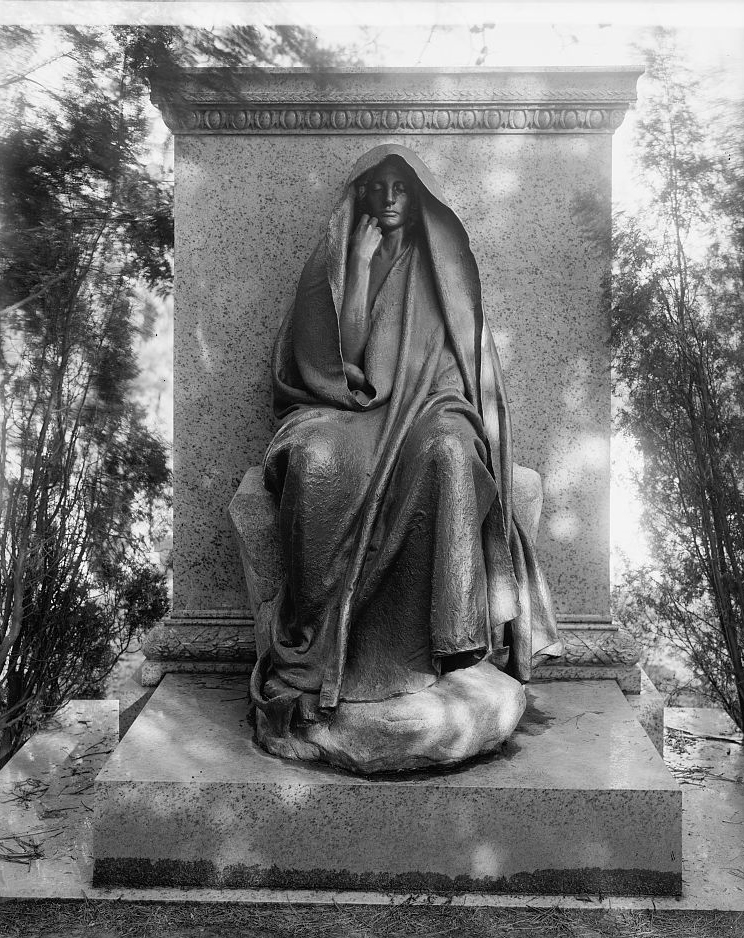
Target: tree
678, 331
86, 231
82, 227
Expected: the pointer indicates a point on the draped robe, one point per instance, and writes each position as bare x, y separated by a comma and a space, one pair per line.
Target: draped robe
402, 552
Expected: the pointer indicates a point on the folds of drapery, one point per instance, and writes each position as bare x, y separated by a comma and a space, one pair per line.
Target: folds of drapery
441, 304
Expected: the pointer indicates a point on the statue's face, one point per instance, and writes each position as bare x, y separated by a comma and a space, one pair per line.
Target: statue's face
389, 197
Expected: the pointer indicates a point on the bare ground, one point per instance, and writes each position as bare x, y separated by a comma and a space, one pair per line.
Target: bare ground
105, 919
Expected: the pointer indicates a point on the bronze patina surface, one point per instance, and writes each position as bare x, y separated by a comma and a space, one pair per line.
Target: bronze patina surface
393, 473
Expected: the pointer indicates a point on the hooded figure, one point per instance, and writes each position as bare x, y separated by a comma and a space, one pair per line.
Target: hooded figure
393, 472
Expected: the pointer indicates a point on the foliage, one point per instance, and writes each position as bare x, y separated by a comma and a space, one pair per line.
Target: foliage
86, 231
678, 330
82, 226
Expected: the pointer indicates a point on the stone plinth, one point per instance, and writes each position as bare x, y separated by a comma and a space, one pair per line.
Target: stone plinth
524, 157
578, 801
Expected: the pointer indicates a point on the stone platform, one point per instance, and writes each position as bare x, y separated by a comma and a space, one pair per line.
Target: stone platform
578, 801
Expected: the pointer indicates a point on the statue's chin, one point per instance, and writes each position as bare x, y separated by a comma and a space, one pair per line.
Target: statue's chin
466, 713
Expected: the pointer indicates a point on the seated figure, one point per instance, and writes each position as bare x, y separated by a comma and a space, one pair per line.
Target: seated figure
412, 605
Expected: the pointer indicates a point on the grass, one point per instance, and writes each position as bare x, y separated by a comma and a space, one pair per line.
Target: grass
107, 919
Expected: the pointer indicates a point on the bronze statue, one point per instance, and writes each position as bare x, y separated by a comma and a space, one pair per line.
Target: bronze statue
411, 586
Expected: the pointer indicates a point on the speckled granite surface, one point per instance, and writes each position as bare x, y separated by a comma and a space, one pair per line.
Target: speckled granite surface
578, 800
248, 212
253, 189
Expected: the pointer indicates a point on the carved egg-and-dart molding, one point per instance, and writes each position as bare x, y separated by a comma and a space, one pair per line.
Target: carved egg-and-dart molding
390, 101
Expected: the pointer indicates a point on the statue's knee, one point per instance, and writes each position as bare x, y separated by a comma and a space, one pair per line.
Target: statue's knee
446, 447
316, 454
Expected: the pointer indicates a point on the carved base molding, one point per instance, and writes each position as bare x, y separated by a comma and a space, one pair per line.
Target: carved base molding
223, 641
199, 641
208, 638
604, 646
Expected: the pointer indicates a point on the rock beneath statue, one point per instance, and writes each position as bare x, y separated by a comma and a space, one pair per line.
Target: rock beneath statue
466, 713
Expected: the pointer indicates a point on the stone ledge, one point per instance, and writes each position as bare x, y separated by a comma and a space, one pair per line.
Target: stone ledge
153, 672
648, 706
132, 697
627, 677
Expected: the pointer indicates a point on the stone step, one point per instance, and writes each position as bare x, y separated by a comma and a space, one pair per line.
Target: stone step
578, 801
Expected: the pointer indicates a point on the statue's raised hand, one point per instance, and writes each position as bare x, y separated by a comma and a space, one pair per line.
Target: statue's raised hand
366, 239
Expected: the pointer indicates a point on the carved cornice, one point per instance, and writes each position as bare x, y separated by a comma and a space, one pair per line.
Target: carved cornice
364, 120
406, 101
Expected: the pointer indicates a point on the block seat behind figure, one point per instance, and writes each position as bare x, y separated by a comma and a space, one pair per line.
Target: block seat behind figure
467, 712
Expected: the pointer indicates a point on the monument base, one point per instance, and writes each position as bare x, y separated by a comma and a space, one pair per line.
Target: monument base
577, 801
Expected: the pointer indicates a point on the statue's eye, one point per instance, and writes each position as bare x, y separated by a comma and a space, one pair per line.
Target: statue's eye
376, 187
400, 188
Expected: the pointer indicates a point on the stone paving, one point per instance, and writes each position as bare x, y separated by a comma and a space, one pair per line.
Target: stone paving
46, 802
45, 822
